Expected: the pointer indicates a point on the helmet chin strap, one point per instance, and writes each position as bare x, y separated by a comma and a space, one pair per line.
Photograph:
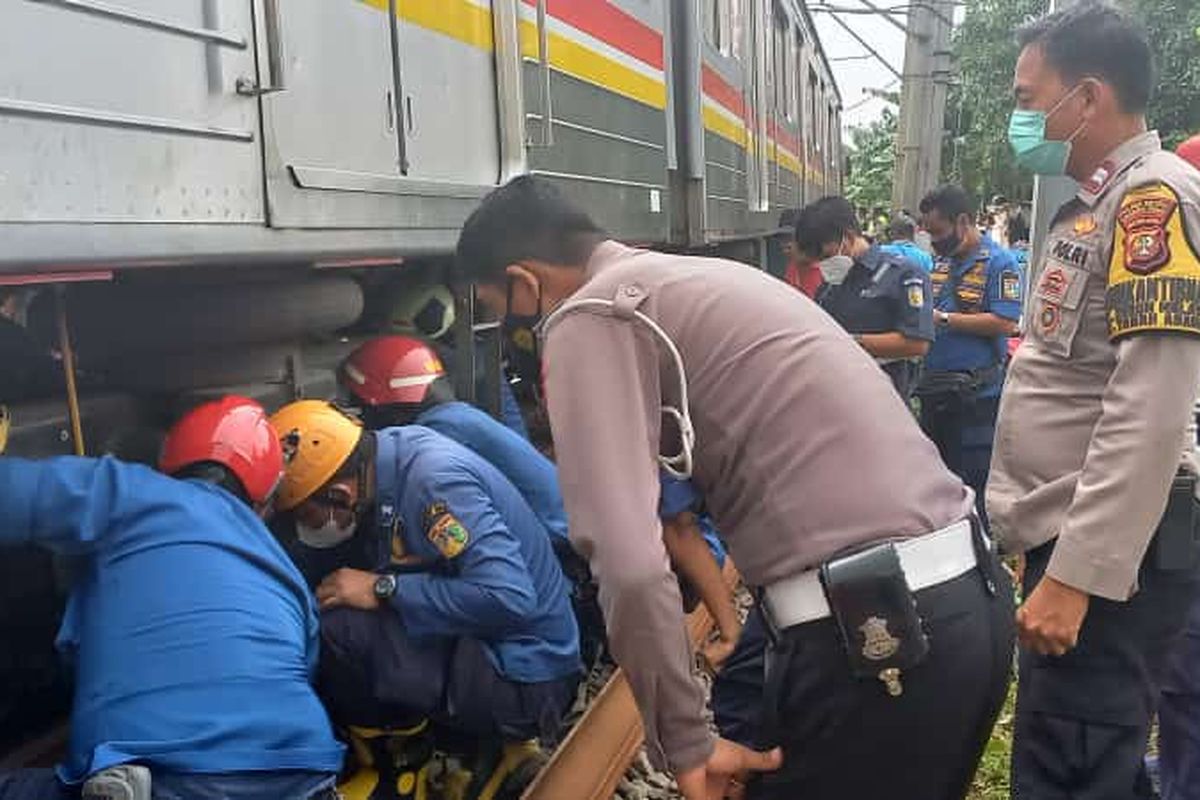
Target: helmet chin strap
679, 465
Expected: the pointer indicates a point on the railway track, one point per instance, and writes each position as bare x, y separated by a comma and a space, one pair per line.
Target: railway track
594, 757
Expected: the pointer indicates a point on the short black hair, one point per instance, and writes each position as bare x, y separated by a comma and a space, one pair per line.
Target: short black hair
901, 227
950, 200
788, 217
526, 218
1093, 39
824, 221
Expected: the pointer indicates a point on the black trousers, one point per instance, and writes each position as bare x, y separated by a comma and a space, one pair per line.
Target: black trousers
373, 674
845, 738
1083, 719
963, 428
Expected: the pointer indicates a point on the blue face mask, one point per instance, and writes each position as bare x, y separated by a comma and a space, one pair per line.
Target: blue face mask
1036, 153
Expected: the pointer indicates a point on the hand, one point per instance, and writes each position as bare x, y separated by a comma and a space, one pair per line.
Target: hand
712, 779
717, 651
1049, 620
348, 587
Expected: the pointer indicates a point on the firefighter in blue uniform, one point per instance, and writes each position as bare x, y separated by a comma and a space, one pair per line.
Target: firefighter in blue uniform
880, 298
192, 635
977, 290
455, 609
399, 380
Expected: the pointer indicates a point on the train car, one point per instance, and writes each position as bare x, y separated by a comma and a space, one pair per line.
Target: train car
204, 194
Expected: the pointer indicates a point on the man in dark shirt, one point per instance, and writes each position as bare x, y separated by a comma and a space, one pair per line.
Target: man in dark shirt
882, 299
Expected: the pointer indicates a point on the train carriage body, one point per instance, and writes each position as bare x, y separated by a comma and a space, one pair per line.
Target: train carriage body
215, 184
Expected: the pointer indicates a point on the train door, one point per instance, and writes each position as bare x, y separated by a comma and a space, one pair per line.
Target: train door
386, 113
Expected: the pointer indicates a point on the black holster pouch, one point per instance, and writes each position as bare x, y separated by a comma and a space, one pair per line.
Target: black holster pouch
875, 612
1176, 542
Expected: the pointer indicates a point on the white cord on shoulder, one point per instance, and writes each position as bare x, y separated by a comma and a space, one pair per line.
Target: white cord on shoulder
678, 466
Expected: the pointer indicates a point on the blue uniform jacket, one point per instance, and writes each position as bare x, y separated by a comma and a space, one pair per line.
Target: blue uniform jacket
496, 577
193, 636
883, 292
531, 472
988, 280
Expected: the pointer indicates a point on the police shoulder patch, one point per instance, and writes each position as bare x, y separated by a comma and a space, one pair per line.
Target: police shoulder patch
447, 534
915, 290
1154, 273
1010, 285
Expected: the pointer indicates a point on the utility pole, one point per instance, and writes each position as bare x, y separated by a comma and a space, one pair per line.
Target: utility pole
922, 101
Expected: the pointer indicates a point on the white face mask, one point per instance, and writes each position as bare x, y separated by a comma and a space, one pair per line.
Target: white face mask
835, 268
327, 536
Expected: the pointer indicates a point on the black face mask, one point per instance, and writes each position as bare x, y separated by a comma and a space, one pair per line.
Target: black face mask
948, 246
521, 343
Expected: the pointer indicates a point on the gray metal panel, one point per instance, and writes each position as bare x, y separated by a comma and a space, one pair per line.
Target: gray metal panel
609, 152
440, 73
135, 118
337, 110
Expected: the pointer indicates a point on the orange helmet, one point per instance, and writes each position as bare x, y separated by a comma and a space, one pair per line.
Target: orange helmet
319, 438
233, 432
391, 370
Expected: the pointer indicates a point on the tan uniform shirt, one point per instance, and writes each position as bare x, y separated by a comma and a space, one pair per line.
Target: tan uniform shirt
803, 448
1099, 394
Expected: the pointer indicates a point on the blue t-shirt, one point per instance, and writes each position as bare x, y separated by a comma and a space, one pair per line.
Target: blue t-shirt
986, 280
493, 574
192, 635
911, 252
531, 472
677, 496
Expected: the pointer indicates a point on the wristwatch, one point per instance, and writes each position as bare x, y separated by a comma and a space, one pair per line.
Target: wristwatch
942, 318
385, 587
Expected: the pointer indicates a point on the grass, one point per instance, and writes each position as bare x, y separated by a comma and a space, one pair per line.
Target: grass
991, 781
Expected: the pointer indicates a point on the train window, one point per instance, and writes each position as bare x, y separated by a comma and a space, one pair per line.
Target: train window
779, 62
712, 22
736, 20
790, 74
813, 120
723, 26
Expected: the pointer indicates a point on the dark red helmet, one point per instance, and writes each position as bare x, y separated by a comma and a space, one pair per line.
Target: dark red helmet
233, 432
391, 370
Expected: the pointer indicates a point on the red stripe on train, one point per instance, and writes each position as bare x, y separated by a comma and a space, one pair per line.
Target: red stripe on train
604, 21
716, 88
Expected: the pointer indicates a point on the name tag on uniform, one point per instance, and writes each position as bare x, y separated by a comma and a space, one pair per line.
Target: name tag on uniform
1062, 285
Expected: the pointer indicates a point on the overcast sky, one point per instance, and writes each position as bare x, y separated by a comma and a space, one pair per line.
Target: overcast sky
854, 77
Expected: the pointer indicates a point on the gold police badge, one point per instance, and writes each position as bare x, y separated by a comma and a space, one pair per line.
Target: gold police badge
878, 643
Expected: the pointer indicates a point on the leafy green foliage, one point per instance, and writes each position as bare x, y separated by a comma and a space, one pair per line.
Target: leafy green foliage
977, 153
872, 159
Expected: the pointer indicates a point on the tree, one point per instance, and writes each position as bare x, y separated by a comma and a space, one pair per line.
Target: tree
985, 52
979, 103
872, 162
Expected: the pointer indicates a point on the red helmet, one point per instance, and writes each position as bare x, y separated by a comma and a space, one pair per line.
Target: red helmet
1189, 151
391, 369
233, 432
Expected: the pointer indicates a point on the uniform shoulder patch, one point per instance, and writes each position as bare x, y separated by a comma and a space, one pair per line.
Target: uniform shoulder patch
1154, 274
1143, 218
447, 534
914, 289
1010, 285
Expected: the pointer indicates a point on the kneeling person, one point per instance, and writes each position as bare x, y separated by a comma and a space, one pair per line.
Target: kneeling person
464, 614
192, 634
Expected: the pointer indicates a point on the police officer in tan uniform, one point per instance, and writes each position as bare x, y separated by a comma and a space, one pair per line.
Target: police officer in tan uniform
1084, 473
891, 628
